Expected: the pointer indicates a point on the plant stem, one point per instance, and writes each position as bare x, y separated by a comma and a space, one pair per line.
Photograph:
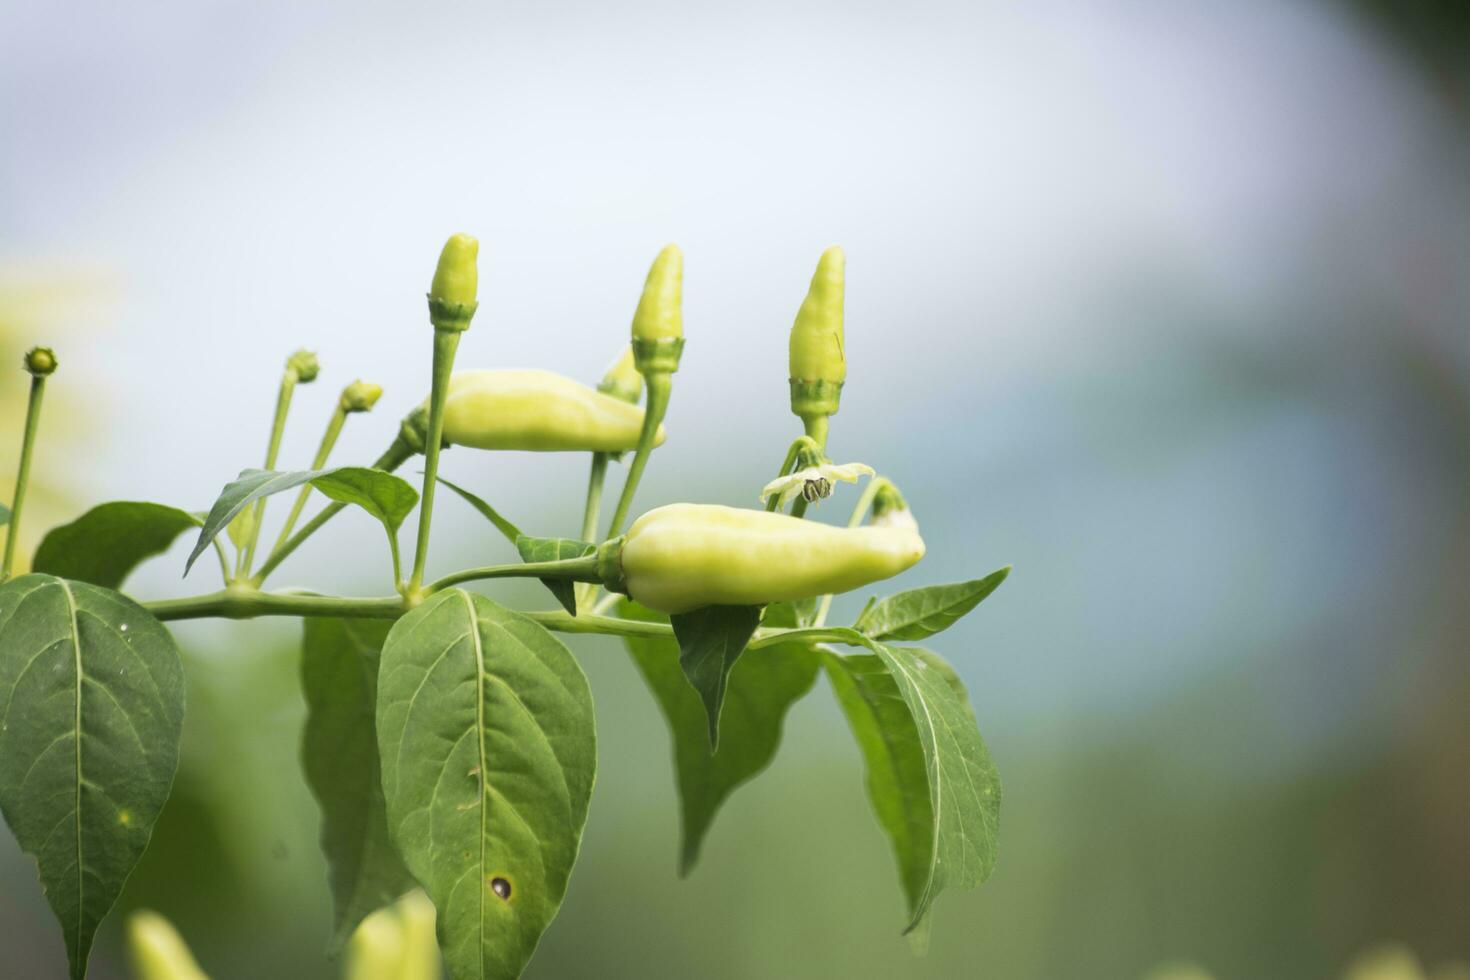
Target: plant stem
446, 343
23, 474
329, 441
576, 569
246, 556
393, 457
594, 495
659, 384
816, 430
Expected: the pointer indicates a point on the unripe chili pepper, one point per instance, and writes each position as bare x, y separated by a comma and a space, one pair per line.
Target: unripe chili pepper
660, 314
156, 951
40, 361
818, 361
539, 411
684, 556
622, 379
452, 296
360, 396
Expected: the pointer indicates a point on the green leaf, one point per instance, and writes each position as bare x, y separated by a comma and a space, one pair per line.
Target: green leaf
711, 639
488, 748
930, 779
105, 544
555, 549
381, 494
919, 613
763, 686
387, 497
339, 751
91, 706
504, 526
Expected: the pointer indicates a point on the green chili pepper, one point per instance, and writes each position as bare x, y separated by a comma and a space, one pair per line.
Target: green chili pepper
818, 360
396, 942
684, 556
660, 314
539, 411
453, 293
156, 951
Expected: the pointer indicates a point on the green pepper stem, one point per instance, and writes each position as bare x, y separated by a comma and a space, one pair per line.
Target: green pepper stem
329, 441
398, 453
246, 556
594, 495
816, 429
446, 343
659, 385
575, 569
23, 474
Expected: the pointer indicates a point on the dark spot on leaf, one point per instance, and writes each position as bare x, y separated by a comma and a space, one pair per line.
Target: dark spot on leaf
500, 887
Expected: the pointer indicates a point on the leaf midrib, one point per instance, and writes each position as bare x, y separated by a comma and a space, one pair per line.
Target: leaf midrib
76, 645
484, 772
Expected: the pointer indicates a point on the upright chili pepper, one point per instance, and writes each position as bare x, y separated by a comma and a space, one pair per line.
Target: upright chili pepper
684, 556
818, 360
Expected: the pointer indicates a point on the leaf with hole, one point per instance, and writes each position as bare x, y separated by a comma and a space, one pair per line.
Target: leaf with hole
91, 708
105, 544
763, 685
488, 749
931, 782
920, 613
711, 639
339, 753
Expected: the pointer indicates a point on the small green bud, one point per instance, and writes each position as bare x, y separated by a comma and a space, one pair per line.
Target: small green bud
304, 363
622, 379
40, 361
361, 396
452, 295
660, 313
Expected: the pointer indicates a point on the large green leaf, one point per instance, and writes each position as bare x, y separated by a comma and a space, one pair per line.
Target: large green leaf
339, 751
763, 686
105, 544
387, 497
919, 613
555, 549
711, 639
931, 782
488, 748
91, 706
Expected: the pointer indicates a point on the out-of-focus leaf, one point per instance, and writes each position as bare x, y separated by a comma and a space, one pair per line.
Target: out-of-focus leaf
105, 544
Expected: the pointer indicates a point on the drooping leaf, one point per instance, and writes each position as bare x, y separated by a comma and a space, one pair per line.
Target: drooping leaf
555, 549
105, 544
930, 779
339, 752
385, 496
91, 707
711, 639
919, 613
488, 749
502, 525
763, 686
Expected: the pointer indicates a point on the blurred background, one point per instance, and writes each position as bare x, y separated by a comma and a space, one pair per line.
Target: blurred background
1164, 302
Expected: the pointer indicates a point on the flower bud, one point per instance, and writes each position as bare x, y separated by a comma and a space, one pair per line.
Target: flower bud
360, 396
660, 313
452, 296
818, 364
622, 379
304, 364
40, 361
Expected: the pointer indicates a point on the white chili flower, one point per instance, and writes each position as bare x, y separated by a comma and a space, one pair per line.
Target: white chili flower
814, 482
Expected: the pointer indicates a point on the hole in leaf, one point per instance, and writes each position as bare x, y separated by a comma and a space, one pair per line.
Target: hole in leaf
501, 887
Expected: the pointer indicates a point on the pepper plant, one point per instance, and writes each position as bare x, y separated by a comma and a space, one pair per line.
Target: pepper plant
450, 740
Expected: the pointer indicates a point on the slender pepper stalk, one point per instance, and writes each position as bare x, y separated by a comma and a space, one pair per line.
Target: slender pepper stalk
446, 343
40, 362
594, 495
329, 441
659, 384
300, 367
